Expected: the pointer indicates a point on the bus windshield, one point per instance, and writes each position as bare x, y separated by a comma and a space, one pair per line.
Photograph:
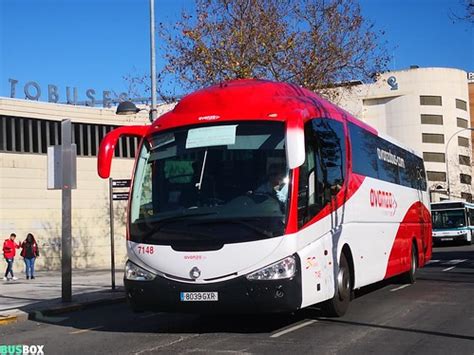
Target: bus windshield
448, 219
211, 185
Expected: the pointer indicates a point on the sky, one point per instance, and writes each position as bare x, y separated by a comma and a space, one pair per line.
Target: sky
93, 44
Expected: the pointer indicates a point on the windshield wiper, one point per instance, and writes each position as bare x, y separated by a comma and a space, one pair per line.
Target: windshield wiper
250, 226
160, 223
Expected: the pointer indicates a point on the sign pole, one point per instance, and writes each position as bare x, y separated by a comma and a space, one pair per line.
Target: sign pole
112, 244
66, 159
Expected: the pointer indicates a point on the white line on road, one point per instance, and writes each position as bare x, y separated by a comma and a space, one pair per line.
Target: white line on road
432, 261
86, 330
291, 329
399, 288
449, 268
454, 261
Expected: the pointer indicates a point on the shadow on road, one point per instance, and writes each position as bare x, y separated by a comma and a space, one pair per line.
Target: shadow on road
409, 330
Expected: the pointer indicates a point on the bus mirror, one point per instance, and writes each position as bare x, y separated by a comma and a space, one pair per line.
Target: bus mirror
295, 152
108, 143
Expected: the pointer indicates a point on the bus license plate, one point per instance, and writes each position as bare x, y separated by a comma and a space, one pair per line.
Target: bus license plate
198, 296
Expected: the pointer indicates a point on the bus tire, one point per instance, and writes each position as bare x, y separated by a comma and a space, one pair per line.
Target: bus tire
409, 277
338, 305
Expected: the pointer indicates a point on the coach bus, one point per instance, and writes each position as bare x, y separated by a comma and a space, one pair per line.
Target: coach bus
453, 221
256, 196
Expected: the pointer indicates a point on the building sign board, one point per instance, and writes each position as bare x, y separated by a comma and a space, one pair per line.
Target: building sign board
31, 90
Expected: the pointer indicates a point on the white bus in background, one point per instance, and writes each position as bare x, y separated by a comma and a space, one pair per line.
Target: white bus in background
453, 221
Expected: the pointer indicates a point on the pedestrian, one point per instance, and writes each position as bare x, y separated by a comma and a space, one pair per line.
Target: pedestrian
9, 252
29, 252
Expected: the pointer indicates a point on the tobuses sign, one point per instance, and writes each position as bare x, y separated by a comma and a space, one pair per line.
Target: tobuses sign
33, 91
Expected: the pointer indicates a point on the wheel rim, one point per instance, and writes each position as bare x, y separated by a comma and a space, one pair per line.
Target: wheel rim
343, 283
413, 262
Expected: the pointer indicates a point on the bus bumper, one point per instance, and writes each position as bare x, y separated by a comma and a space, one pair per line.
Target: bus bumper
238, 295
438, 239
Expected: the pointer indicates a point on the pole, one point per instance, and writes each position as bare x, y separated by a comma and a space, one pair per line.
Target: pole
153, 112
112, 244
66, 160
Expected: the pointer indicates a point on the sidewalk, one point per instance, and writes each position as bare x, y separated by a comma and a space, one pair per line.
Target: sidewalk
24, 298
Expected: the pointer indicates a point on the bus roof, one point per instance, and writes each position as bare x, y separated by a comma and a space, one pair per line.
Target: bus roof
450, 205
251, 99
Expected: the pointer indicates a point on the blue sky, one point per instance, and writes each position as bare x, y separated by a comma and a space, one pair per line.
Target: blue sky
94, 43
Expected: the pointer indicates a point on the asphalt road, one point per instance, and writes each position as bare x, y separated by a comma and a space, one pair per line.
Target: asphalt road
433, 316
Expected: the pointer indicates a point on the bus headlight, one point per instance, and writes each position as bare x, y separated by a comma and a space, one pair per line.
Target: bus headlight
283, 269
136, 273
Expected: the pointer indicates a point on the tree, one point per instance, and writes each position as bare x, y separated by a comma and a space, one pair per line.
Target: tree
467, 12
312, 43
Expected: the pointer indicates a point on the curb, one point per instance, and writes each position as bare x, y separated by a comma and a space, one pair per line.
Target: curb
4, 320
38, 314
78, 306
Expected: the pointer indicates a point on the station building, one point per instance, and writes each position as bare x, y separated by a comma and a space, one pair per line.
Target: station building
27, 206
426, 109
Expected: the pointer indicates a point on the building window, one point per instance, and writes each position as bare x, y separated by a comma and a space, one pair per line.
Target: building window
462, 122
465, 179
461, 104
463, 142
432, 119
430, 100
27, 135
432, 138
466, 196
434, 157
464, 160
436, 176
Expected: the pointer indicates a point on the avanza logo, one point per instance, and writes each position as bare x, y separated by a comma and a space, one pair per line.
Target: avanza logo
383, 199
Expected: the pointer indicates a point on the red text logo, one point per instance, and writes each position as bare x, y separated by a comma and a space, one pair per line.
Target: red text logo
383, 199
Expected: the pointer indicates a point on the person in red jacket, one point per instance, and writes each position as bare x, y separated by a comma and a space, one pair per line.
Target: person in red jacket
29, 252
9, 251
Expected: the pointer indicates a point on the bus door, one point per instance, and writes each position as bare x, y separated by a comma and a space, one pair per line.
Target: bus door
322, 176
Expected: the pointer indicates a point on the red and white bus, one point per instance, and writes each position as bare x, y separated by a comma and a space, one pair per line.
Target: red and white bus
256, 196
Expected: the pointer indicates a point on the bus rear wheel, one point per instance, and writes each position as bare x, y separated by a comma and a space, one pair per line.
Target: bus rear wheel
338, 305
410, 276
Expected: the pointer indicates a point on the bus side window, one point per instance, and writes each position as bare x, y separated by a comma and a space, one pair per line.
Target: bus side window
331, 151
307, 179
323, 172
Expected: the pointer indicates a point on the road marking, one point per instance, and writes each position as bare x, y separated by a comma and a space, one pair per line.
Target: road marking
292, 329
433, 261
454, 262
86, 330
449, 268
399, 288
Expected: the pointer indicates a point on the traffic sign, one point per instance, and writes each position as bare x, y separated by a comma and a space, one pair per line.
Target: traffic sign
121, 183
120, 196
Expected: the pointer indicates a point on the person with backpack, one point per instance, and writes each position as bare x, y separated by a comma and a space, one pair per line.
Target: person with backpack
9, 252
29, 252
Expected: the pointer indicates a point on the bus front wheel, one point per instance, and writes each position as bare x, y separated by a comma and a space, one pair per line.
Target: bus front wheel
338, 305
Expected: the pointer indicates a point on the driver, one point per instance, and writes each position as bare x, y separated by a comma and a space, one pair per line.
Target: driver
276, 183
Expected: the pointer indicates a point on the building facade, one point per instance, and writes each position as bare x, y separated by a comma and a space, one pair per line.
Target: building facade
471, 111
426, 109
27, 128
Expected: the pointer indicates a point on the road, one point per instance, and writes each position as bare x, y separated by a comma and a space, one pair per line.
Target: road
433, 316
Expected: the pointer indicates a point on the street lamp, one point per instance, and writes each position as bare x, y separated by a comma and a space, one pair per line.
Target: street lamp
447, 160
127, 108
